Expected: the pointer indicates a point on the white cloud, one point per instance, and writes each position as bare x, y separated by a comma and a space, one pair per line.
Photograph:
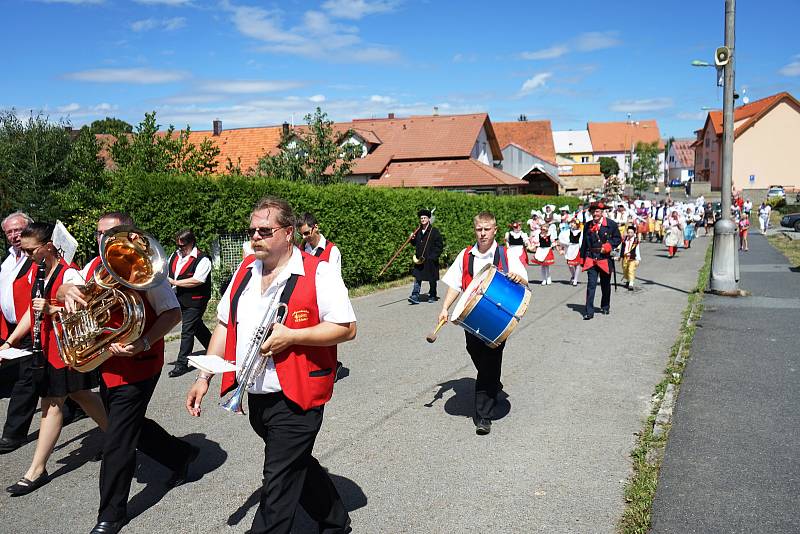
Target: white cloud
140, 76
586, 42
76, 110
546, 53
317, 98
356, 9
379, 99
317, 36
69, 107
691, 115
164, 24
248, 86
638, 106
534, 83
792, 69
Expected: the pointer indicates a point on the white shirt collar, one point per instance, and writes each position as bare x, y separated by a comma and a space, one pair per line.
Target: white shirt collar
322, 244
192, 254
295, 266
488, 254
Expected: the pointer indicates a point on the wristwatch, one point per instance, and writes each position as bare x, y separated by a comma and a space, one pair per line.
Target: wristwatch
146, 343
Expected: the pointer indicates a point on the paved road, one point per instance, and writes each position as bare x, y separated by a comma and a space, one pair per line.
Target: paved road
731, 464
398, 437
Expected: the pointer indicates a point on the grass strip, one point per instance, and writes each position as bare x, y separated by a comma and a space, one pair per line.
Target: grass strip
787, 246
640, 490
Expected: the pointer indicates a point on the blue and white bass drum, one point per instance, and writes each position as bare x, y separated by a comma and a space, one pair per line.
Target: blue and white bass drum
491, 306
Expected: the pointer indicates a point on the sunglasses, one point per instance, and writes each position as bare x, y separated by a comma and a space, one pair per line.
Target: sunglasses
263, 231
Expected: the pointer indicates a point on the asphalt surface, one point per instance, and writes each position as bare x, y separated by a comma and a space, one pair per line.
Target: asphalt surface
731, 463
398, 437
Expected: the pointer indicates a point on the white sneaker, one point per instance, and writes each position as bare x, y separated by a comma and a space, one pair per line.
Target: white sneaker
549, 281
544, 282
574, 282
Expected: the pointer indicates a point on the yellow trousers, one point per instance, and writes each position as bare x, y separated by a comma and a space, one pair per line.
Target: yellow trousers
629, 269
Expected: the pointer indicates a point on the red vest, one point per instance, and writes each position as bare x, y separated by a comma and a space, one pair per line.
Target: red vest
305, 373
500, 261
120, 370
21, 287
325, 254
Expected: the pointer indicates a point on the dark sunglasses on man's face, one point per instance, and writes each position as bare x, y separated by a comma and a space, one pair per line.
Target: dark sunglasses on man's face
263, 231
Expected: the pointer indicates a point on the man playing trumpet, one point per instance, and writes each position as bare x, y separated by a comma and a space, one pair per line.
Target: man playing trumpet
287, 400
428, 247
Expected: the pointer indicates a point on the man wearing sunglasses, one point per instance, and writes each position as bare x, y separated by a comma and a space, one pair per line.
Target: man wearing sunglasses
287, 400
314, 242
190, 275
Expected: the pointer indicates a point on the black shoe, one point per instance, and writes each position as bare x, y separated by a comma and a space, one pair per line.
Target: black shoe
109, 527
483, 427
180, 475
179, 370
605, 311
336, 376
586, 316
10, 444
25, 486
413, 300
432, 298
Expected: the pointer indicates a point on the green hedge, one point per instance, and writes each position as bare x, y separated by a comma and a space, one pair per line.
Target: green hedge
367, 224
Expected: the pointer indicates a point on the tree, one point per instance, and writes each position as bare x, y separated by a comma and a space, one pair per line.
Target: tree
609, 166
645, 165
312, 154
110, 125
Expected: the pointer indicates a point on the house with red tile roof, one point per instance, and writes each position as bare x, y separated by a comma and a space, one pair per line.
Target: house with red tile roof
618, 140
765, 139
577, 166
679, 162
529, 154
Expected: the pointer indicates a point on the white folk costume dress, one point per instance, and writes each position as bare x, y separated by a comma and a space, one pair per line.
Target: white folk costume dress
544, 255
570, 240
516, 240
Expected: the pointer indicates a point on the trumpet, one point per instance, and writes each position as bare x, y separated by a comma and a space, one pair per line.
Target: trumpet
255, 362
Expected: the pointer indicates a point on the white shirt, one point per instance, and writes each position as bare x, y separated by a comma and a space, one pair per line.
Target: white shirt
161, 297
332, 301
336, 257
202, 269
8, 273
455, 273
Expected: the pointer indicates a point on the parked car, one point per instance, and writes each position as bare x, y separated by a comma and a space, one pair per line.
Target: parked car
776, 191
792, 220
675, 182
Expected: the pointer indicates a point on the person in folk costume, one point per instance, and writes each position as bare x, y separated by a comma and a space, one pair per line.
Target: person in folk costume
659, 214
744, 227
651, 221
488, 361
517, 242
190, 275
570, 241
563, 212
531, 223
689, 228
287, 400
128, 380
314, 242
543, 254
54, 381
631, 257
428, 243
621, 216
642, 226
582, 215
674, 233
600, 237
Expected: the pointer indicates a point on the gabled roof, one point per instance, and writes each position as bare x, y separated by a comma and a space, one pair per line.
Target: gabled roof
444, 173
572, 142
534, 137
621, 136
684, 152
748, 114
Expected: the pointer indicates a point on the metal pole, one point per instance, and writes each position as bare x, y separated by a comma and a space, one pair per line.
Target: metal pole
723, 275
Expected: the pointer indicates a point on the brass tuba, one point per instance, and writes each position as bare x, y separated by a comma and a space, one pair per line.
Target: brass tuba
114, 313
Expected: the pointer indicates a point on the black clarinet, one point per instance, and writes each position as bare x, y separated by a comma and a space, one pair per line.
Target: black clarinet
36, 341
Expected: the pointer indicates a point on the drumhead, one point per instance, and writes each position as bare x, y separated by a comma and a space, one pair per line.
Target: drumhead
469, 298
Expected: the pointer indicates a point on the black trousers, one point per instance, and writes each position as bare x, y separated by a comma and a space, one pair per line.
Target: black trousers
292, 475
128, 430
192, 326
591, 286
23, 401
489, 363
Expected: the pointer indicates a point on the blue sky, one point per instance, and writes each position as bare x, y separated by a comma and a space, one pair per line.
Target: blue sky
255, 62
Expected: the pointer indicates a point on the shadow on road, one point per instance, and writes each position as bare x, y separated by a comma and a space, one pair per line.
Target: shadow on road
154, 475
462, 403
351, 493
645, 281
577, 308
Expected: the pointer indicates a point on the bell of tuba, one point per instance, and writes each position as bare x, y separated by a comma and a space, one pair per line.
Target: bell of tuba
114, 313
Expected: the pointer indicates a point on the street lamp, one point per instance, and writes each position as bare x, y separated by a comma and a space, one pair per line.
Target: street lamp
698, 63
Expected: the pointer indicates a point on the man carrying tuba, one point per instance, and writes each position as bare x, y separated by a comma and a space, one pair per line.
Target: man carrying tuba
129, 378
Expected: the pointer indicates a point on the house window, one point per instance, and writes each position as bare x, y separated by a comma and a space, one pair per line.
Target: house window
672, 159
707, 142
706, 163
584, 159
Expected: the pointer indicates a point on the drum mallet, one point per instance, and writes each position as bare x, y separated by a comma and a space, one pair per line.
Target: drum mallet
432, 336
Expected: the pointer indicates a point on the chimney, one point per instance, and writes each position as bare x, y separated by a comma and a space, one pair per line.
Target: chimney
391, 115
217, 127
435, 111
285, 129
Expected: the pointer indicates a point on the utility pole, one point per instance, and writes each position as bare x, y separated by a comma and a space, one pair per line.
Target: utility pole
724, 259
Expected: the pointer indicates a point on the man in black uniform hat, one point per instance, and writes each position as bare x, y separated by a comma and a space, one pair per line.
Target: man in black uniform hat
600, 236
428, 243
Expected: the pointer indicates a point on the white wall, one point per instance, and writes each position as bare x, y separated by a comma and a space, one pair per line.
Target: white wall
481, 150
